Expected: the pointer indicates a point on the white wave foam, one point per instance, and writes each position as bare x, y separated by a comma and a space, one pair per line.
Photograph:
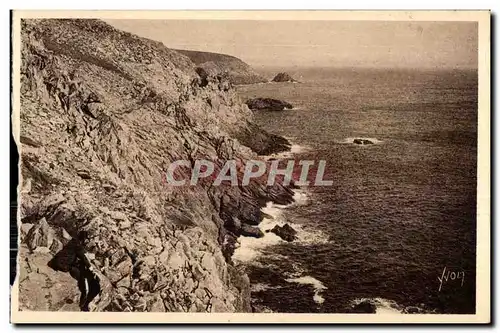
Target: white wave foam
294, 149
309, 236
318, 286
306, 234
296, 271
250, 247
263, 287
350, 140
300, 197
382, 305
262, 309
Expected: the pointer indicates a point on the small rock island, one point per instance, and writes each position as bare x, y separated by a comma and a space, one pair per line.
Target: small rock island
283, 77
268, 104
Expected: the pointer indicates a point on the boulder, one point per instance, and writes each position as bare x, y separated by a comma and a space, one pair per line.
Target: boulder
206, 74
269, 104
42, 235
251, 231
286, 232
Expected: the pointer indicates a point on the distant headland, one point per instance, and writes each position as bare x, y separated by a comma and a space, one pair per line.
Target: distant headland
238, 71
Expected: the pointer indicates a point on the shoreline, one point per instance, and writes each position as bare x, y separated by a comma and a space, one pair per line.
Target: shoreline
249, 248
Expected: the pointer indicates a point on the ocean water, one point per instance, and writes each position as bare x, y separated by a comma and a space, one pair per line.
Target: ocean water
400, 212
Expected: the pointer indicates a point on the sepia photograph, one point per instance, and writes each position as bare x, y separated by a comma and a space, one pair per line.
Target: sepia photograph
251, 166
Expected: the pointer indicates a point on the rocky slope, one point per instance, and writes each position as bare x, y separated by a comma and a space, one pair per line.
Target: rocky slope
238, 71
103, 113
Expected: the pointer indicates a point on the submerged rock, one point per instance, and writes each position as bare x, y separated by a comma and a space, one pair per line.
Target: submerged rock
286, 232
283, 77
269, 104
362, 142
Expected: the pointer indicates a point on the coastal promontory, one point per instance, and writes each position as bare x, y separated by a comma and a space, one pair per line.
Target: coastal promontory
237, 71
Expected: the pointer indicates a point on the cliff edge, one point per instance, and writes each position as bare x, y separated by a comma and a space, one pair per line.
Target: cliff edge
103, 114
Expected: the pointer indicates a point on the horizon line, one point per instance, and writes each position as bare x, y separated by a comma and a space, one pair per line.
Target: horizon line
363, 67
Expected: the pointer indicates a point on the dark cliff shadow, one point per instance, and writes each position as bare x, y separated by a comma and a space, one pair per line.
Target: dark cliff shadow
71, 259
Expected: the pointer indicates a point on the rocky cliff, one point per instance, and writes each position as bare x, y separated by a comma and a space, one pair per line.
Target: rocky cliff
103, 113
238, 71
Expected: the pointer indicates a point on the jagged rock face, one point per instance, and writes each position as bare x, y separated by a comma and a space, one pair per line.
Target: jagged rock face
103, 113
283, 77
262, 142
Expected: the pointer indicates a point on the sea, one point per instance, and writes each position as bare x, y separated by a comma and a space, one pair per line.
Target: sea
397, 228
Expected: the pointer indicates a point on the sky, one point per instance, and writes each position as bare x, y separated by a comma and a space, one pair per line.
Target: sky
377, 44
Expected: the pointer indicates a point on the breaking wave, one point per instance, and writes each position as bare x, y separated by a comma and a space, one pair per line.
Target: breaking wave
294, 149
318, 286
250, 247
350, 140
382, 306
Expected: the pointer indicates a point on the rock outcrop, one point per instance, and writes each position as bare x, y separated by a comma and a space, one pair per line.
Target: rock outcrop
362, 142
283, 77
262, 142
237, 71
286, 232
268, 104
103, 114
